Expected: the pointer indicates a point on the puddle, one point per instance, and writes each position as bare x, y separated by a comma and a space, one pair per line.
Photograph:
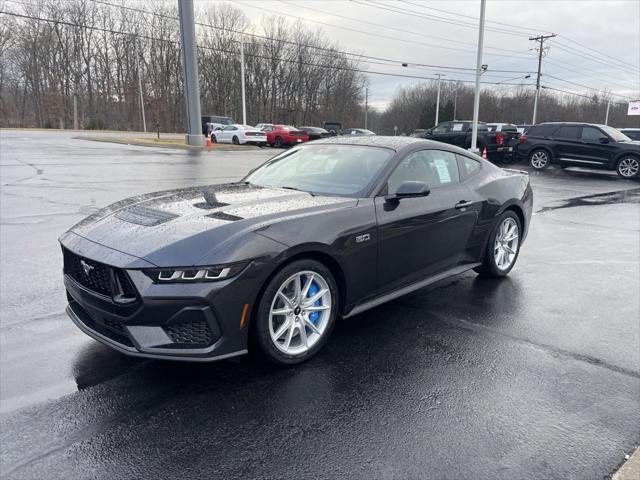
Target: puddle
608, 198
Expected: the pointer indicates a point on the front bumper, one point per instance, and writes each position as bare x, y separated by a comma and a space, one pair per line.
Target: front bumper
201, 321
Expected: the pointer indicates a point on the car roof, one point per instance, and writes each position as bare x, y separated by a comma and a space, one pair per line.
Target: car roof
632, 129
579, 124
394, 143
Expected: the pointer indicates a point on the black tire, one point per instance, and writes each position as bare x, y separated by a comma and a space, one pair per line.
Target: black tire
628, 166
539, 159
235, 140
213, 138
489, 267
261, 342
278, 142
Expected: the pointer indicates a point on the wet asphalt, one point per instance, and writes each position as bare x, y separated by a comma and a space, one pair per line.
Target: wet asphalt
533, 376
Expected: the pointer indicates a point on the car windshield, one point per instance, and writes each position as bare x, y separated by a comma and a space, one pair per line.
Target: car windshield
343, 170
617, 135
226, 121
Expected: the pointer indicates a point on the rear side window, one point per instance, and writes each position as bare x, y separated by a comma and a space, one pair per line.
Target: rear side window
468, 167
509, 128
592, 134
541, 130
567, 133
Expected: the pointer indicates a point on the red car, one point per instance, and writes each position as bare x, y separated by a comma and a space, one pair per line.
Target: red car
282, 135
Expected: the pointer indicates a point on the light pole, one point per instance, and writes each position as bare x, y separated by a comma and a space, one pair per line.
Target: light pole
455, 103
476, 100
244, 99
438, 97
606, 118
194, 134
366, 105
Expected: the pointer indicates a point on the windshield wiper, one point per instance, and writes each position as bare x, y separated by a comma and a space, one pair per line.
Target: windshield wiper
298, 190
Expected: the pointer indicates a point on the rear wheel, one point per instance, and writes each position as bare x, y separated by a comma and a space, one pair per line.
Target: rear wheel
539, 159
503, 246
278, 142
296, 313
628, 167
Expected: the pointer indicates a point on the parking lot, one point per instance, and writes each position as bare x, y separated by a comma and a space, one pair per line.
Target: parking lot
533, 376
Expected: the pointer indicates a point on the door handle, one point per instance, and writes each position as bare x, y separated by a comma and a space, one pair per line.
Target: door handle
463, 204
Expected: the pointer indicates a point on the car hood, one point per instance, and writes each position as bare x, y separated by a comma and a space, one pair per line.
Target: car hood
197, 221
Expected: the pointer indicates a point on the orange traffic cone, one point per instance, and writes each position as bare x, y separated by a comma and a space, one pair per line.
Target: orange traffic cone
208, 144
484, 153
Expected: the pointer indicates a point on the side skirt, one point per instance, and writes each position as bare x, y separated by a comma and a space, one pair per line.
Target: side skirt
409, 288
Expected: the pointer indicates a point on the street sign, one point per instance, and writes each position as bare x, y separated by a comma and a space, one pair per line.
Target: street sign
395, 129
634, 108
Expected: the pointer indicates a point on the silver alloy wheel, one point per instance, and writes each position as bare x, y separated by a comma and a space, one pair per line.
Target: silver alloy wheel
539, 159
506, 244
629, 167
300, 312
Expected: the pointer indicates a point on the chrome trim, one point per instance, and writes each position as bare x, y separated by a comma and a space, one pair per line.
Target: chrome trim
580, 161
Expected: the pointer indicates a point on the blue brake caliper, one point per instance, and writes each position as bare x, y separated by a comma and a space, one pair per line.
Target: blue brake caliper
313, 289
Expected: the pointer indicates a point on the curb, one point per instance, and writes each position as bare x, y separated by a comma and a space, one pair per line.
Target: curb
124, 141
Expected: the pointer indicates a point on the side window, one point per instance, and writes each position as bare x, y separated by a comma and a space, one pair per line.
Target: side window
442, 128
541, 130
457, 127
592, 134
468, 166
567, 133
436, 168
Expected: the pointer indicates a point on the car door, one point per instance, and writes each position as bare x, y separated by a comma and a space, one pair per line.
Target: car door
227, 133
422, 236
566, 143
440, 133
596, 147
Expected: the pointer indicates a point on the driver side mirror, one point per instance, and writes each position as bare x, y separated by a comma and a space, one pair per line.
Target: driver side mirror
603, 139
409, 189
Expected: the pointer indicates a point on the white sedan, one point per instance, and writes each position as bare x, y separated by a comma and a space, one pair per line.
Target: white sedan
239, 134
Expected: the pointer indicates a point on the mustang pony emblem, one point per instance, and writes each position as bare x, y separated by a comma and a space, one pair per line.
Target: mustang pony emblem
86, 267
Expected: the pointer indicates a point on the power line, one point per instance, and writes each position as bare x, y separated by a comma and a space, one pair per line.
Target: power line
362, 32
585, 86
289, 42
564, 66
590, 97
330, 67
401, 30
436, 18
591, 58
607, 56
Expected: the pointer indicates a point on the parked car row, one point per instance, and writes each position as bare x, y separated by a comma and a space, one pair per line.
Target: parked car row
225, 130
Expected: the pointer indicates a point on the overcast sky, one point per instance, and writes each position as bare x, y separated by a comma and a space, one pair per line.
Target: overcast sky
612, 27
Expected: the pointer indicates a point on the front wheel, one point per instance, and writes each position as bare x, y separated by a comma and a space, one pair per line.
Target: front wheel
278, 143
214, 139
503, 246
235, 140
628, 167
539, 159
296, 313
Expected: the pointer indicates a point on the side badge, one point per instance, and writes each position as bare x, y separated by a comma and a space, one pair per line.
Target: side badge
363, 238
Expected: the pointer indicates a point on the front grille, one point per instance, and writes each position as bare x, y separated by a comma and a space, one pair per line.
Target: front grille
194, 333
98, 277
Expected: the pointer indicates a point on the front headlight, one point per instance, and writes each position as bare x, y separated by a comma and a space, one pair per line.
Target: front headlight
194, 274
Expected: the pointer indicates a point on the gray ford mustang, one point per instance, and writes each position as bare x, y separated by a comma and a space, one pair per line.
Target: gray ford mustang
325, 230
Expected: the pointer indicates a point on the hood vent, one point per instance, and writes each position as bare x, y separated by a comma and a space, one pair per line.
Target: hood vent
147, 217
224, 216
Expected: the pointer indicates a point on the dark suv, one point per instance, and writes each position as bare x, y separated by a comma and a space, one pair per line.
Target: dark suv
580, 145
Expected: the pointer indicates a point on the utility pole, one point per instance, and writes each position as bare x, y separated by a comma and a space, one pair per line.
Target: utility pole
366, 105
606, 118
479, 69
144, 121
540, 39
244, 98
438, 97
194, 134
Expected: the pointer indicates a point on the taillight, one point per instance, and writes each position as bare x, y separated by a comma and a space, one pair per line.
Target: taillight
499, 139
522, 139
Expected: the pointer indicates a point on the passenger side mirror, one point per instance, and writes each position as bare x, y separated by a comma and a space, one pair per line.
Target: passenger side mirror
409, 189
603, 139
